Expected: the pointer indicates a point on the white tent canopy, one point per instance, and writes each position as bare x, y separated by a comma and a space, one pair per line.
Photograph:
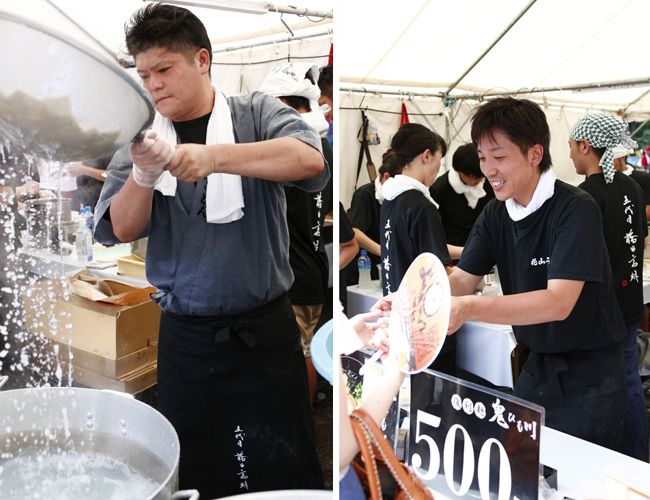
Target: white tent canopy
99, 24
425, 47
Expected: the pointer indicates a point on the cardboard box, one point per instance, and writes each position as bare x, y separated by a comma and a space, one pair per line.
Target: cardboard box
105, 330
131, 266
47, 353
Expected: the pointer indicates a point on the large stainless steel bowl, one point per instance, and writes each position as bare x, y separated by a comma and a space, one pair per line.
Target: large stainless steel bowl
61, 100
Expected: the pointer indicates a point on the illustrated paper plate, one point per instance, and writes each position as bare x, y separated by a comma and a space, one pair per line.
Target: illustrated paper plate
420, 314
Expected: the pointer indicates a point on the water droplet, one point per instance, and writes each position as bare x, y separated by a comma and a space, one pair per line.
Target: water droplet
68, 325
89, 415
123, 432
54, 323
122, 423
89, 425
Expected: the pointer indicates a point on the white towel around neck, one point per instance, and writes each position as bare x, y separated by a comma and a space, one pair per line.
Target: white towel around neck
472, 193
544, 190
395, 186
224, 195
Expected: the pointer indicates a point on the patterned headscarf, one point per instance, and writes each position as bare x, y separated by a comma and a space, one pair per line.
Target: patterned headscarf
603, 131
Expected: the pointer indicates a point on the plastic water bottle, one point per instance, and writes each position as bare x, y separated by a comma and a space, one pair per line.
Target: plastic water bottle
87, 214
364, 270
84, 243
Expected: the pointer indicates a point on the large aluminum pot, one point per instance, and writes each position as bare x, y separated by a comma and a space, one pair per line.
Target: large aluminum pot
42, 217
72, 420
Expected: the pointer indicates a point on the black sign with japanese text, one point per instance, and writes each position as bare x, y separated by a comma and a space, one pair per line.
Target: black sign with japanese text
467, 441
351, 365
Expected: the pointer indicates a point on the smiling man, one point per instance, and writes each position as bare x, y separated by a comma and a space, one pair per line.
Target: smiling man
232, 377
546, 239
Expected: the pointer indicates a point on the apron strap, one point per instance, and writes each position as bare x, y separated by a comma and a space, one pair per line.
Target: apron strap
237, 326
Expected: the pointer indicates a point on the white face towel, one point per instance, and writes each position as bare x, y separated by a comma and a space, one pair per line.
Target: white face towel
379, 192
224, 195
544, 190
395, 186
316, 119
472, 193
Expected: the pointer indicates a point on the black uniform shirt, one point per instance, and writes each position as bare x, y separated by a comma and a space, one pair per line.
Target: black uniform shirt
364, 215
410, 226
642, 179
622, 205
307, 256
457, 216
563, 239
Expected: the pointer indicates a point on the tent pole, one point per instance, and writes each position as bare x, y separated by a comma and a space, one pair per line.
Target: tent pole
271, 42
637, 100
503, 33
579, 86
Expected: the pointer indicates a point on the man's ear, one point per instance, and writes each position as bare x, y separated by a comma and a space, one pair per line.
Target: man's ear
203, 60
584, 147
535, 154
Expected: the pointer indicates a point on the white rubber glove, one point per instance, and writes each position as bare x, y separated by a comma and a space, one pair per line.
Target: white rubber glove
149, 158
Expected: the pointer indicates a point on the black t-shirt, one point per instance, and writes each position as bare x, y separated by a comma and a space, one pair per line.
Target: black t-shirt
622, 205
364, 215
563, 239
307, 256
346, 233
456, 215
410, 226
642, 179
89, 188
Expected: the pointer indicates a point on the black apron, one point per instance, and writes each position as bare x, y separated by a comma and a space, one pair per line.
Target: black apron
235, 389
584, 394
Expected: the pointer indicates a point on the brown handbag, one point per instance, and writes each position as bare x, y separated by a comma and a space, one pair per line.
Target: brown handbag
380, 460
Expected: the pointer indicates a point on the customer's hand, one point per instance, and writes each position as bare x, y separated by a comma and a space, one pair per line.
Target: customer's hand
365, 331
384, 305
149, 158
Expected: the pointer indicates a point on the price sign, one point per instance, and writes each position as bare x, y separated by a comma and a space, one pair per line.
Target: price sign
467, 441
351, 365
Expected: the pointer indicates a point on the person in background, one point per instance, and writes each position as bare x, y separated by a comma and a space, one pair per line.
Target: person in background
410, 222
644, 160
623, 207
364, 217
326, 85
546, 238
641, 177
232, 377
90, 180
293, 84
461, 194
348, 249
56, 181
355, 334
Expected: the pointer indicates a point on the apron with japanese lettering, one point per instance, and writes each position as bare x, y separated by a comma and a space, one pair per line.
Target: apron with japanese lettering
235, 388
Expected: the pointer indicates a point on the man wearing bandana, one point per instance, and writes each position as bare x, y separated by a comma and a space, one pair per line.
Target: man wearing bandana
593, 140
546, 238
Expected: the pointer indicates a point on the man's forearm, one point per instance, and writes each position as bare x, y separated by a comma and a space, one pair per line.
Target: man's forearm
365, 243
281, 160
131, 210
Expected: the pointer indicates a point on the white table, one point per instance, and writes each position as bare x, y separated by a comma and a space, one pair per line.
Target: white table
482, 349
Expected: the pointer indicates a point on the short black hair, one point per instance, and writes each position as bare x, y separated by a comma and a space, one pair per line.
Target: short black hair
169, 26
326, 81
412, 139
389, 164
465, 161
521, 120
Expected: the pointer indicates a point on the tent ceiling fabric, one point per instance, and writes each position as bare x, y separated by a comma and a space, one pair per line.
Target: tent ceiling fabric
555, 43
105, 19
